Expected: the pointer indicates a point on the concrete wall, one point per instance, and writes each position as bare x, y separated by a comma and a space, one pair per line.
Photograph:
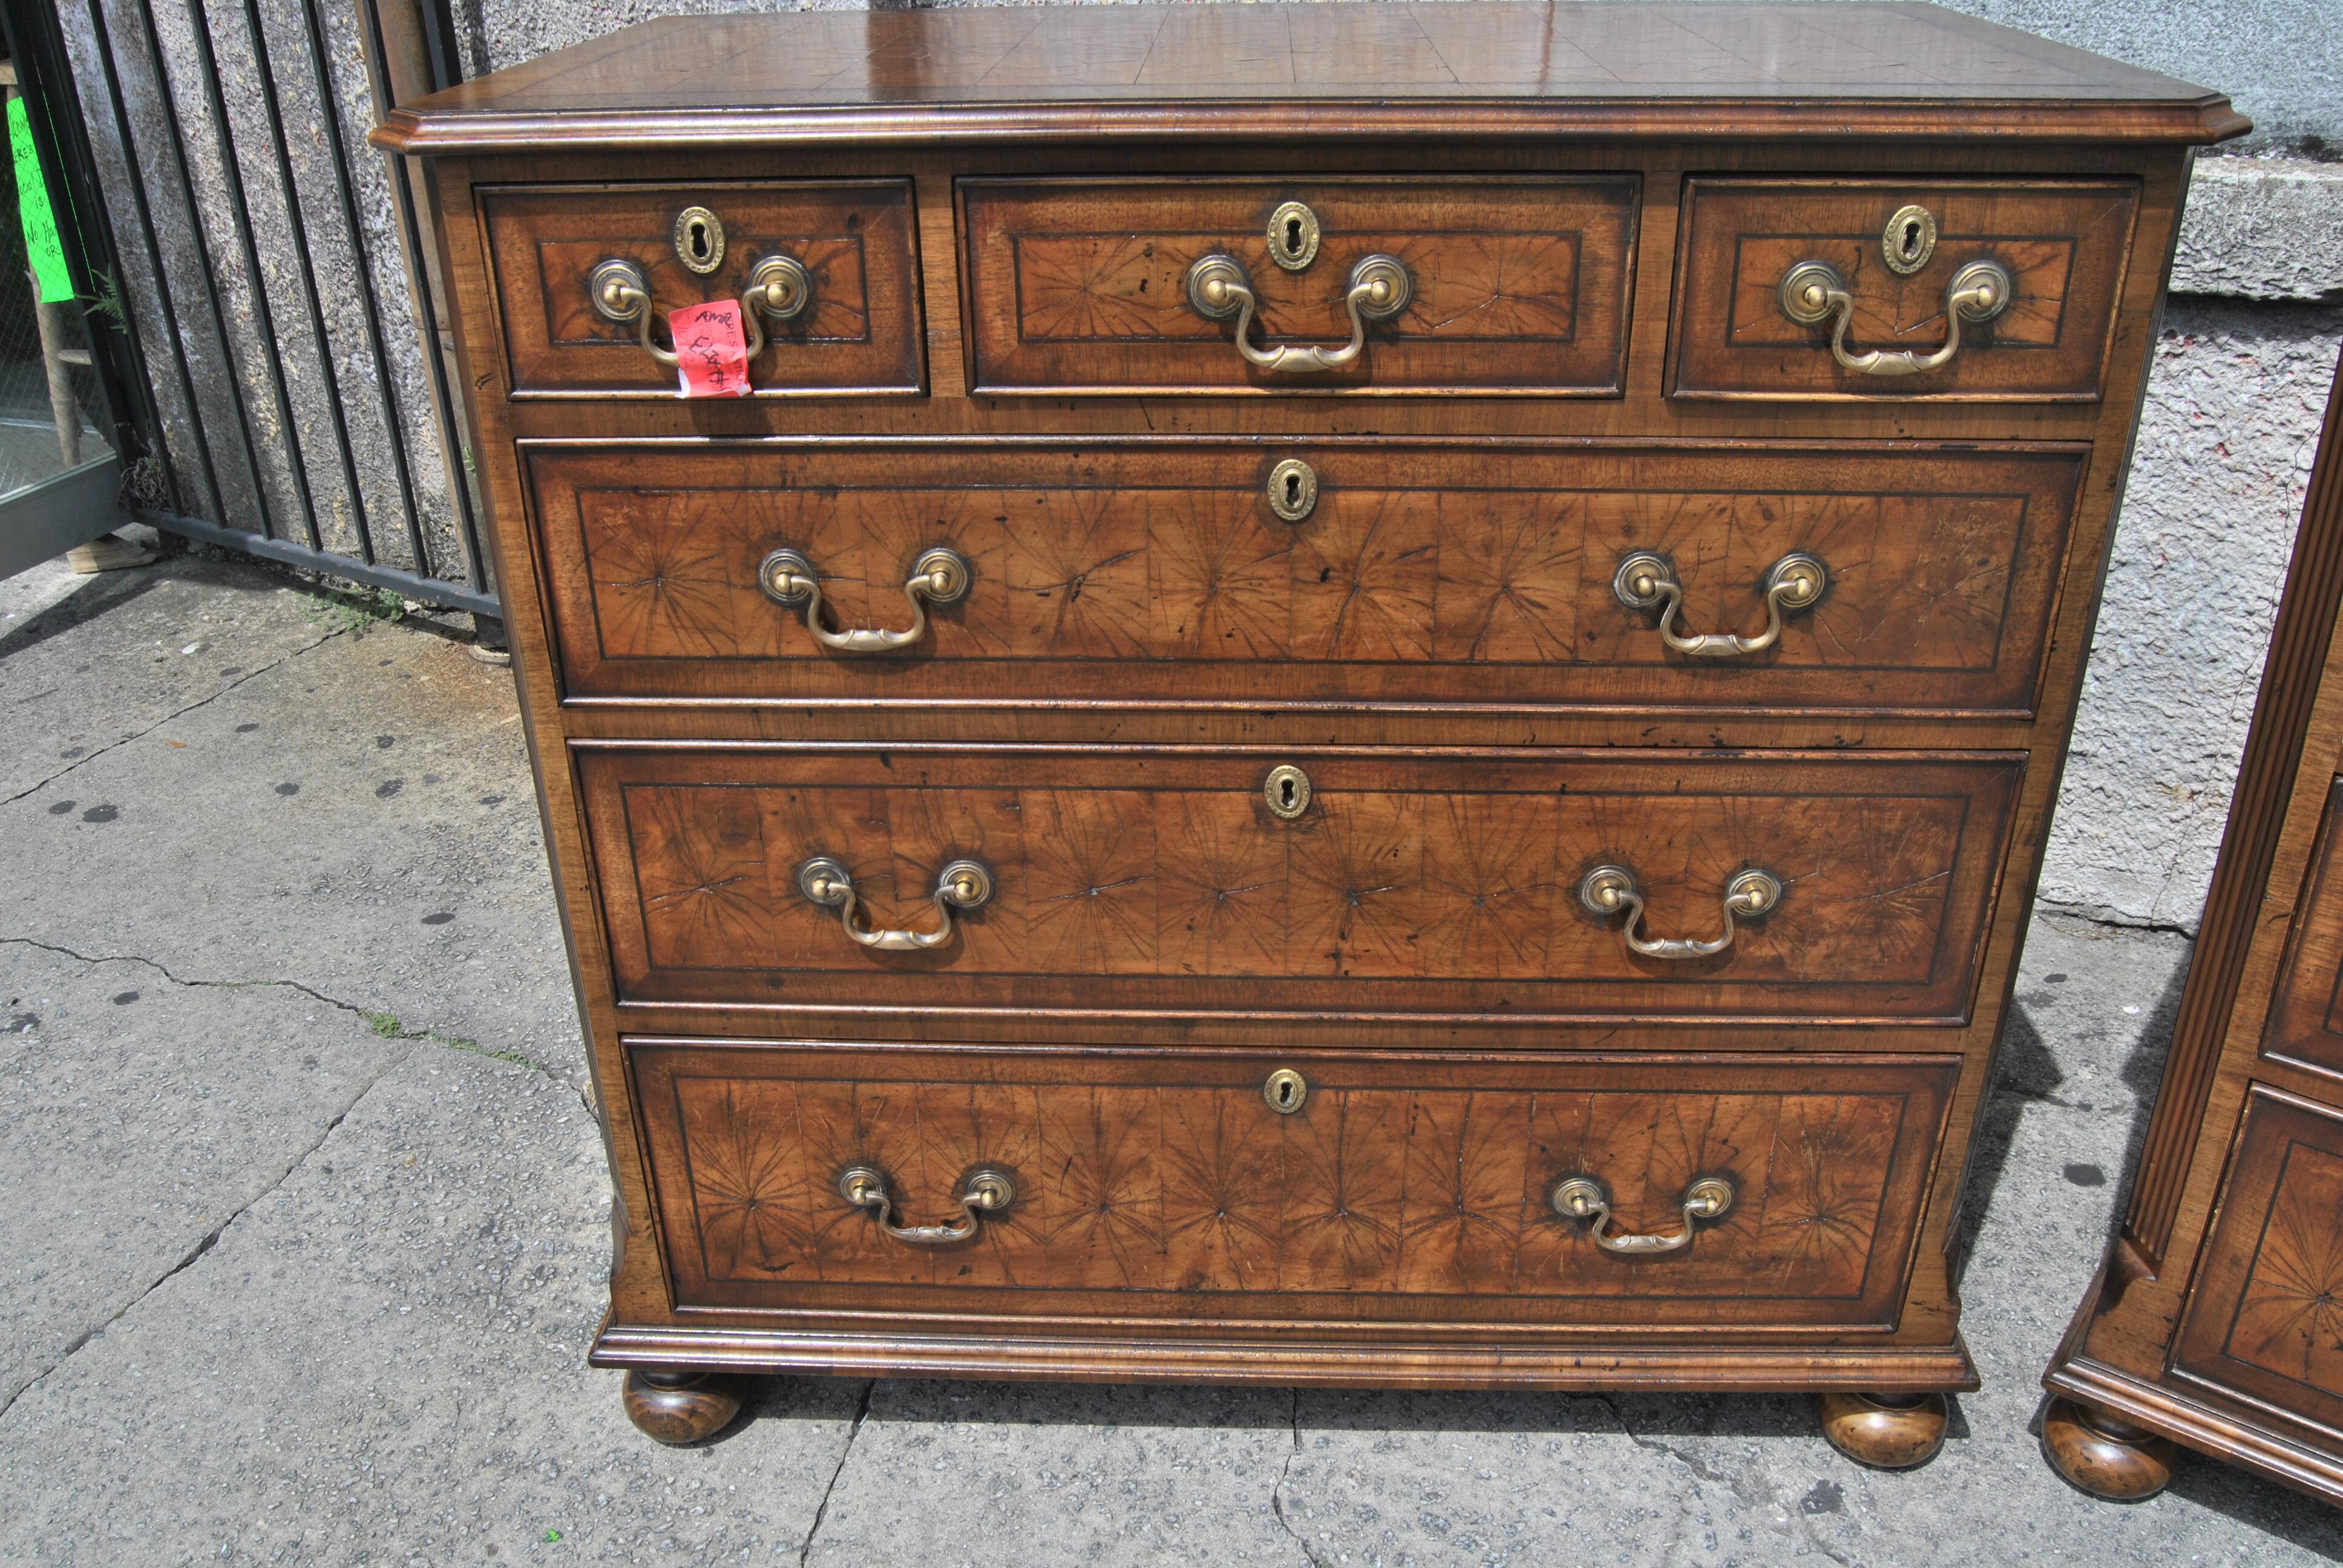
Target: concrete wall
2232, 406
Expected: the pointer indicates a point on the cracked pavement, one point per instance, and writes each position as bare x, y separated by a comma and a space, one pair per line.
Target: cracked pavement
308, 1219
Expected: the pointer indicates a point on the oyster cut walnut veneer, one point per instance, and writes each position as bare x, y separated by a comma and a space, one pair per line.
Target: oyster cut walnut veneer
1367, 695
2218, 1317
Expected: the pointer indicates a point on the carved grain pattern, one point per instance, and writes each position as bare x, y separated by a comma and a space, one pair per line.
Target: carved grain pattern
1485, 906
662, 586
1224, 1197
858, 332
1219, 575
1510, 577
1865, 881
2307, 1015
1363, 578
1354, 880
1114, 287
1090, 901
2262, 1317
2289, 1319
1151, 572
1518, 284
1077, 573
1462, 1213
1822, 1211
1342, 1174
702, 868
1221, 897
2063, 243
1370, 883
1196, 1189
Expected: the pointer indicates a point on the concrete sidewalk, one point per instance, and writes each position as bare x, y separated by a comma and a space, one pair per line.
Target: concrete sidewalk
306, 1218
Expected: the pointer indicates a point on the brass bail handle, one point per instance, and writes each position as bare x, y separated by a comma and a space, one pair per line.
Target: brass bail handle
987, 1191
961, 885
1794, 583
1379, 289
779, 287
1583, 1198
1813, 292
1609, 890
940, 575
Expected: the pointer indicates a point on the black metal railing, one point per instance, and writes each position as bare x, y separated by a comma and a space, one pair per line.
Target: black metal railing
277, 286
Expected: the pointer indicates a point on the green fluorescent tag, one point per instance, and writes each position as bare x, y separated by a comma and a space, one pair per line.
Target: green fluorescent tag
40, 241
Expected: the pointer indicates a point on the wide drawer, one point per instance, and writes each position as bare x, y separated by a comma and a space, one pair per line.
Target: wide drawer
1511, 284
854, 329
2040, 330
1125, 880
2262, 1318
1414, 1190
1167, 572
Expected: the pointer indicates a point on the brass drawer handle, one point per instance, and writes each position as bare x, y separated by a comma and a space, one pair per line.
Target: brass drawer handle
780, 287
1791, 584
1583, 1198
987, 1191
940, 575
960, 885
1607, 890
1379, 289
1813, 291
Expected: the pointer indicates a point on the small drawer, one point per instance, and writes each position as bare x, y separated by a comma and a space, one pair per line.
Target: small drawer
2261, 1321
1759, 1191
1468, 284
843, 319
1847, 887
1876, 288
2305, 1026
1255, 573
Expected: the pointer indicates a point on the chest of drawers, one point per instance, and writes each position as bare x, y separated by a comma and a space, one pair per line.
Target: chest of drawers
1367, 694
2215, 1319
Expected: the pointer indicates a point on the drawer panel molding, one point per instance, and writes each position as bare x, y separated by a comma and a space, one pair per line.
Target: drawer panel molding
1480, 283
1165, 879
1053, 1182
2018, 279
1202, 571
852, 321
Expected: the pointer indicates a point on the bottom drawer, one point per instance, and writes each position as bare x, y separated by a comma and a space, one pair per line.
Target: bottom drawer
1195, 1188
2262, 1320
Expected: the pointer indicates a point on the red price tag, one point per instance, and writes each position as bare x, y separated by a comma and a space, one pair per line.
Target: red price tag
711, 351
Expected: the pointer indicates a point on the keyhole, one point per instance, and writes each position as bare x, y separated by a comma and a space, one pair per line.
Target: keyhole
1285, 1094
1292, 491
699, 241
1911, 240
1293, 236
1286, 793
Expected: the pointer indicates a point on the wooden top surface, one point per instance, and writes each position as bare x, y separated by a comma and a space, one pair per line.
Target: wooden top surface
1444, 69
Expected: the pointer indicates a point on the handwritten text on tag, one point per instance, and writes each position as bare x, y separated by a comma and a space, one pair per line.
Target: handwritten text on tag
711, 349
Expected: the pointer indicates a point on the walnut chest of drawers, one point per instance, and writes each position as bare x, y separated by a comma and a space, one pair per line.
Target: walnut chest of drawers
1367, 694
2217, 1318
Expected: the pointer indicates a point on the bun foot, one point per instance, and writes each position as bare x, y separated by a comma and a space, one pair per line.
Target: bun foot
2103, 1455
682, 1407
1884, 1431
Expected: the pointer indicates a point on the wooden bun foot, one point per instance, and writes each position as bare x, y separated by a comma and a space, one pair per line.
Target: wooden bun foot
1884, 1431
2104, 1455
682, 1407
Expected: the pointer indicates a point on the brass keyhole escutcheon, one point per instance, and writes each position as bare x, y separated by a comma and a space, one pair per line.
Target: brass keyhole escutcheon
700, 239
1292, 491
1287, 791
1293, 236
1285, 1092
1908, 240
